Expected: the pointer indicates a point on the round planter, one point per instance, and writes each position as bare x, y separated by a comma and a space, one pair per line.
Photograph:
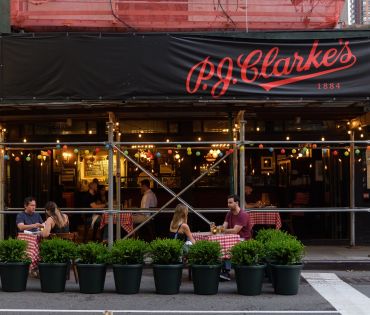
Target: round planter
206, 278
286, 278
249, 279
14, 276
167, 278
91, 277
53, 277
127, 278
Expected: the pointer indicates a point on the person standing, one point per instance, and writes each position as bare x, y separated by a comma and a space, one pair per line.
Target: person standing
29, 220
148, 200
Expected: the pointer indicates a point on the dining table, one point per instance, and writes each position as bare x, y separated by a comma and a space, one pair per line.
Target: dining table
33, 247
265, 218
126, 221
227, 241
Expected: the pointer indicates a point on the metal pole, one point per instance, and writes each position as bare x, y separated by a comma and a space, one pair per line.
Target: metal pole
5, 16
118, 187
242, 164
352, 188
235, 165
2, 185
110, 124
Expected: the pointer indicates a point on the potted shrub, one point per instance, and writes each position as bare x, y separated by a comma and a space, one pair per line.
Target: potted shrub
286, 267
127, 257
167, 265
91, 267
247, 258
14, 265
205, 260
55, 257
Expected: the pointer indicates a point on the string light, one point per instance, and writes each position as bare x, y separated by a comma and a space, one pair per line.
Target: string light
24, 140
322, 139
287, 138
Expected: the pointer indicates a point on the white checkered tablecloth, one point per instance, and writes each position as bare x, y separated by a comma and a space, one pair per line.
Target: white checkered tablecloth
33, 249
267, 218
226, 241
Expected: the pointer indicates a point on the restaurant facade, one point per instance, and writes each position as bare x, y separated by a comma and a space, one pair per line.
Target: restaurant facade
287, 112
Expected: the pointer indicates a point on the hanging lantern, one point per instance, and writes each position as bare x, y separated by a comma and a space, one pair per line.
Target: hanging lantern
65, 147
39, 157
49, 152
294, 151
28, 158
346, 153
357, 151
189, 153
107, 146
220, 154
231, 151
17, 159
179, 146
158, 154
75, 150
97, 150
335, 152
58, 146
197, 153
314, 145
368, 147
169, 151
271, 150
87, 152
137, 155
177, 156
282, 151
125, 152
6, 157
260, 146
241, 148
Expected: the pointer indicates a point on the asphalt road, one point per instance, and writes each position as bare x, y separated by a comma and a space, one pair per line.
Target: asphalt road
227, 301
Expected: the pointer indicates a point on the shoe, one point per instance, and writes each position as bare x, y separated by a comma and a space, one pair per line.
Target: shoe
34, 274
225, 276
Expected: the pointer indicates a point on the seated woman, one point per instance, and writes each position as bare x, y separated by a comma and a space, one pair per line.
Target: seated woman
179, 228
56, 221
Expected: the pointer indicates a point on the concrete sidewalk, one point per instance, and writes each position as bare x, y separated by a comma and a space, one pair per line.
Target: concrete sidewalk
337, 257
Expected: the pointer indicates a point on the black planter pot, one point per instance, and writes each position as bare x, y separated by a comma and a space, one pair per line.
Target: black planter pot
53, 277
14, 276
127, 278
206, 278
167, 278
249, 279
286, 278
91, 277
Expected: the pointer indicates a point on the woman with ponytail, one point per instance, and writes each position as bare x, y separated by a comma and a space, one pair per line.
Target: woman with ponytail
56, 221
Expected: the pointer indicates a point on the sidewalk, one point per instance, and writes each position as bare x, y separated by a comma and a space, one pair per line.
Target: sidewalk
337, 257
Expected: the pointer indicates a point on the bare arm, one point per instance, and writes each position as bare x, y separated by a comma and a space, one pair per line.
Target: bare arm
225, 225
235, 230
23, 227
49, 224
187, 232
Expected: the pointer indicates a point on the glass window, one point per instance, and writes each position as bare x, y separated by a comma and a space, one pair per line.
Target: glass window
219, 126
144, 126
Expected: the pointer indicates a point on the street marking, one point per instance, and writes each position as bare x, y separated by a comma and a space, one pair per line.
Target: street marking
165, 311
343, 297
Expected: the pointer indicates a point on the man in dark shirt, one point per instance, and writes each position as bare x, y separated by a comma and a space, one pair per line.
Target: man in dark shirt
29, 220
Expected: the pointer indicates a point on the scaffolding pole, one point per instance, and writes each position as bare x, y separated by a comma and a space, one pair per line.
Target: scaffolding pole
2, 185
242, 164
118, 187
110, 125
352, 188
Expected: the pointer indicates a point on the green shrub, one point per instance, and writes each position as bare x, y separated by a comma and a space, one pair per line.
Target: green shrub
57, 251
286, 251
266, 235
128, 251
166, 251
248, 253
92, 253
205, 253
13, 250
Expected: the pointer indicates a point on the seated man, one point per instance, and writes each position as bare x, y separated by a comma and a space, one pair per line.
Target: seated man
29, 220
252, 200
236, 222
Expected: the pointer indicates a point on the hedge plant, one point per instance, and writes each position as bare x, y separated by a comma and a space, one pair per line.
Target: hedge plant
248, 253
285, 251
57, 250
128, 251
13, 251
205, 253
166, 251
92, 253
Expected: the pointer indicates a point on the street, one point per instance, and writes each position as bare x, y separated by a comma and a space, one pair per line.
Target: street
308, 301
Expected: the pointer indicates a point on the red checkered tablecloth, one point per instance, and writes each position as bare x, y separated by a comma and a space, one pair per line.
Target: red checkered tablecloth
33, 249
226, 241
268, 218
125, 221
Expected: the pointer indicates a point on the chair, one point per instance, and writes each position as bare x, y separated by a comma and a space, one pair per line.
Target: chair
70, 236
301, 200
